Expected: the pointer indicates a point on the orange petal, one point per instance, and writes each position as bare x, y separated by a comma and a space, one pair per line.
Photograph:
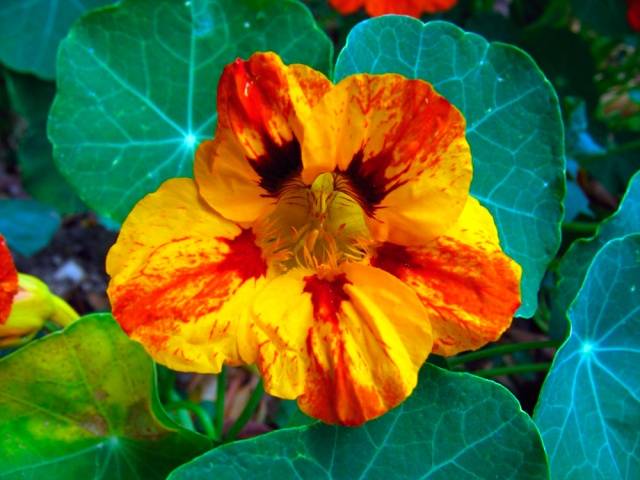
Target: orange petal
181, 280
348, 348
345, 7
402, 146
469, 286
375, 8
8, 280
399, 7
433, 6
262, 106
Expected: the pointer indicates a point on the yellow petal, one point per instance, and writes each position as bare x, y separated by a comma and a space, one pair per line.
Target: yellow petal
470, 287
182, 278
403, 148
349, 348
262, 109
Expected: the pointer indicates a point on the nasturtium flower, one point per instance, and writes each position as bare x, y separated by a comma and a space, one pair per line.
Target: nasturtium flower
26, 303
374, 8
329, 237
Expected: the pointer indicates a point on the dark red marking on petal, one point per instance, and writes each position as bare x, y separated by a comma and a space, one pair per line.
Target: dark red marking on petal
134, 304
249, 104
369, 181
279, 164
326, 296
8, 281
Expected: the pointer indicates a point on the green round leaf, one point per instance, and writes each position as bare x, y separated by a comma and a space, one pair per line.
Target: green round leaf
137, 87
574, 264
453, 426
514, 126
31, 30
589, 407
27, 225
31, 98
82, 404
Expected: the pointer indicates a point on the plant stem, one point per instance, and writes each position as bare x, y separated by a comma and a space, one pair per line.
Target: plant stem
587, 228
500, 350
199, 412
513, 370
184, 418
541, 324
222, 386
247, 412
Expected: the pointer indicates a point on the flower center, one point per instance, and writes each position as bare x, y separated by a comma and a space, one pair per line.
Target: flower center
317, 226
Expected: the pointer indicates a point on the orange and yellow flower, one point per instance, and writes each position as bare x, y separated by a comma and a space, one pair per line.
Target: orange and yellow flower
329, 237
374, 8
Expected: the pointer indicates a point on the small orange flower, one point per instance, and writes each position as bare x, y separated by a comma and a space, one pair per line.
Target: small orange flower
8, 281
329, 237
374, 8
633, 14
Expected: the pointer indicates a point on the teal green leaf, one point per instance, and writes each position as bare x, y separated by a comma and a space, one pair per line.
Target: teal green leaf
27, 225
454, 425
514, 126
82, 404
589, 407
574, 264
31, 98
604, 16
137, 87
290, 415
31, 30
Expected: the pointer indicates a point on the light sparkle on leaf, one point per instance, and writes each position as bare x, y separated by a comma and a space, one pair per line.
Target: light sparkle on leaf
190, 140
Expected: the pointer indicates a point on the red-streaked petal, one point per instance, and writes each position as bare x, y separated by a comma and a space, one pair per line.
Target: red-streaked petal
403, 148
8, 280
182, 278
349, 348
469, 286
262, 107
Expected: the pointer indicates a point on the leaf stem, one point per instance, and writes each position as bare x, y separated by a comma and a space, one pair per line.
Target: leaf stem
184, 418
221, 388
199, 412
500, 350
513, 369
585, 228
247, 412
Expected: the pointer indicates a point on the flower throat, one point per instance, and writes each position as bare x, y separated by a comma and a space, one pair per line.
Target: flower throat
315, 226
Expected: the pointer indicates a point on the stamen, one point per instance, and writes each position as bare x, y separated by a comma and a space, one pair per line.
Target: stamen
317, 226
